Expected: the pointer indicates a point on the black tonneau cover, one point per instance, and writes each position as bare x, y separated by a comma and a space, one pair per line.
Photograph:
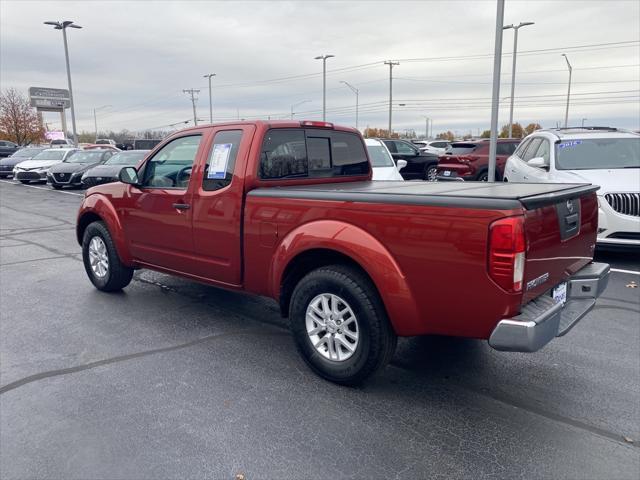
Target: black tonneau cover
482, 195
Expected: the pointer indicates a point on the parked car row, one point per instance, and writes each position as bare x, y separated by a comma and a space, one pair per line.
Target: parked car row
68, 167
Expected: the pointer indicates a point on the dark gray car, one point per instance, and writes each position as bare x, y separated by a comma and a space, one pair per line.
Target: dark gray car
109, 172
69, 173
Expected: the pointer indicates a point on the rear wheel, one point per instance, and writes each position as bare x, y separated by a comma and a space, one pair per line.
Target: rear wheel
431, 172
101, 260
340, 325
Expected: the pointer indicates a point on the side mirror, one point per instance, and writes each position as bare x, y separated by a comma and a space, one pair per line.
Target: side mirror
400, 164
538, 162
129, 175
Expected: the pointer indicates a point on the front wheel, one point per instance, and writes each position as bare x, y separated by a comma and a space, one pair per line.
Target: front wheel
340, 326
431, 172
101, 260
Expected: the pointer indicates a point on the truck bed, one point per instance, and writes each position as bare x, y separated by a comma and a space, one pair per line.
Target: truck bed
503, 196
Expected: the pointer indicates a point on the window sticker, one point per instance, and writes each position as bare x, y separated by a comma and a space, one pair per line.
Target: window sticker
572, 143
219, 160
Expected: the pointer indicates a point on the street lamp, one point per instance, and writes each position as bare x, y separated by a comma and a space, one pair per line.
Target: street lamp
357, 92
426, 129
209, 75
324, 83
583, 121
95, 118
566, 112
63, 26
513, 68
295, 105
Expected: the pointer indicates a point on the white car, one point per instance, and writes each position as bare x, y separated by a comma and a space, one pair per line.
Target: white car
36, 169
383, 166
607, 157
435, 146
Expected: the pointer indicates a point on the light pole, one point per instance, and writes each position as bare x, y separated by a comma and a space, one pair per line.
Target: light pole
209, 75
95, 118
495, 94
426, 127
357, 92
391, 65
566, 112
63, 26
324, 83
513, 68
583, 121
295, 105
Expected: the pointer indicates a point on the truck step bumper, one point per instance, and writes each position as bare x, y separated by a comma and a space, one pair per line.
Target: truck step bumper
541, 320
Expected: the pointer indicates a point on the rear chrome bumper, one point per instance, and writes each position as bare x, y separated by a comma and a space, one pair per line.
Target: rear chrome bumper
541, 320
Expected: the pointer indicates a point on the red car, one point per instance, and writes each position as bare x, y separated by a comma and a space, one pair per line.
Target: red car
286, 209
470, 160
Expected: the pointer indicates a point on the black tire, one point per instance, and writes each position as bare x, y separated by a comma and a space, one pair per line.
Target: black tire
24, 182
377, 340
4, 176
118, 275
430, 172
483, 177
57, 187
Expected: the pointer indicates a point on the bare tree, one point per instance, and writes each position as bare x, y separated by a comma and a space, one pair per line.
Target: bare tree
19, 122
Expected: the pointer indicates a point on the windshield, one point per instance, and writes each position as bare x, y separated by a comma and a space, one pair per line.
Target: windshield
50, 155
26, 152
379, 156
130, 158
598, 153
85, 157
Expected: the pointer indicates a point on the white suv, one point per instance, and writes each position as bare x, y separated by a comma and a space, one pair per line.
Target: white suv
603, 156
435, 146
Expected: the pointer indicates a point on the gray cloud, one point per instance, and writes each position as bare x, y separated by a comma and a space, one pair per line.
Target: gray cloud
139, 56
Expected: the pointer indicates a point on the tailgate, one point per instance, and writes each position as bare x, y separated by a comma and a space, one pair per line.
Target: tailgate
561, 230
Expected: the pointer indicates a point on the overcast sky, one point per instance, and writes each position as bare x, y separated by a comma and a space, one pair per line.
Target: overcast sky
137, 57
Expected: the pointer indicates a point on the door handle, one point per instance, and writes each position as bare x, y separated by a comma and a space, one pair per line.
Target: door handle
181, 206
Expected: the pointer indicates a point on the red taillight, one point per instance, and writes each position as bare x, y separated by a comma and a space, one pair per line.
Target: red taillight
310, 123
507, 253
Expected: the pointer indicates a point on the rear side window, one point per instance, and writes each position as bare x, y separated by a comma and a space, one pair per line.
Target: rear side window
218, 170
531, 150
297, 153
506, 148
461, 148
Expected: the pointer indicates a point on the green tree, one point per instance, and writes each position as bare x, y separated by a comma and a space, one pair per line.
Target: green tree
486, 134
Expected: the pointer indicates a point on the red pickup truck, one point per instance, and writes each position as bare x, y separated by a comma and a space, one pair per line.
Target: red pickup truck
287, 210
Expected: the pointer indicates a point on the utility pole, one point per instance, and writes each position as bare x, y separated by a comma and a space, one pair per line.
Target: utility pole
209, 75
391, 64
63, 26
513, 68
566, 112
495, 96
95, 118
193, 93
357, 92
324, 84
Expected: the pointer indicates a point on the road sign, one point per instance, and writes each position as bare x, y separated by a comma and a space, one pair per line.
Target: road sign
49, 99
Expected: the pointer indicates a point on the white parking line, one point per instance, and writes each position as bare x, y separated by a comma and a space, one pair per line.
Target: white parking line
42, 188
633, 272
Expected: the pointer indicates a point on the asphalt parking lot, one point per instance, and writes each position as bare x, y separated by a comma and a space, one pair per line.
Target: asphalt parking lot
172, 379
